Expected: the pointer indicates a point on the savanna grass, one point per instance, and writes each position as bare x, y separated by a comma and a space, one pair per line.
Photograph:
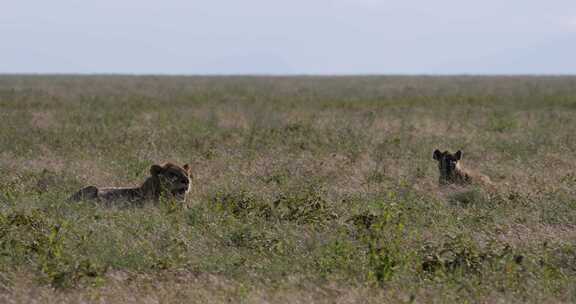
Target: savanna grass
305, 189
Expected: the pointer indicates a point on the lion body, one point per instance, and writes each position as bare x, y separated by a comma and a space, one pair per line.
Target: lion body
168, 180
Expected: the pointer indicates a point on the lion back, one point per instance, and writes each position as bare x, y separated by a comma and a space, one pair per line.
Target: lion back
87, 193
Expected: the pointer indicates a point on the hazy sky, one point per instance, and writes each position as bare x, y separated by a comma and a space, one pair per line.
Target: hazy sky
288, 37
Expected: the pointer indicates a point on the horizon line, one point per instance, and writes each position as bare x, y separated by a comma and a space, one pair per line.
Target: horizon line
83, 74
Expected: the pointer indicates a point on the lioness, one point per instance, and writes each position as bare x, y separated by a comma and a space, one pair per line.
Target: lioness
451, 171
168, 180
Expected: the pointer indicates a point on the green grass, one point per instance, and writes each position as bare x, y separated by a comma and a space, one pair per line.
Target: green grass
305, 189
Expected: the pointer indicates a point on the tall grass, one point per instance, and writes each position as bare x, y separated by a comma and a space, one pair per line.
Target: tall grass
305, 189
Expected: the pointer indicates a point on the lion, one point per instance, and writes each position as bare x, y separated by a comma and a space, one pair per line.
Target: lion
451, 171
167, 180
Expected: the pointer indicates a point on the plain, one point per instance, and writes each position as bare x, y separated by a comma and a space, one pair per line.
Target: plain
304, 189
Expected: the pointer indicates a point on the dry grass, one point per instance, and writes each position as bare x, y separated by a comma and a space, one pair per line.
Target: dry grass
305, 189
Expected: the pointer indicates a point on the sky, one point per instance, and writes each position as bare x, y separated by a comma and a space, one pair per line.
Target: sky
288, 37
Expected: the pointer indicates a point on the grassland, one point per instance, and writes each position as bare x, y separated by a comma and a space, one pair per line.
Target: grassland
305, 189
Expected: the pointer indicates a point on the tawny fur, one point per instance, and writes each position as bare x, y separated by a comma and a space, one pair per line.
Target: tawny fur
451, 171
168, 180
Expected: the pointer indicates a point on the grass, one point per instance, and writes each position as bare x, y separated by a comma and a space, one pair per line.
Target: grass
305, 189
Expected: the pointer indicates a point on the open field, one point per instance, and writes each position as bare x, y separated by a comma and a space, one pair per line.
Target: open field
305, 189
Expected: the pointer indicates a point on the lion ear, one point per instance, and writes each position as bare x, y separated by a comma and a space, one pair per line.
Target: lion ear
187, 168
437, 154
458, 155
155, 170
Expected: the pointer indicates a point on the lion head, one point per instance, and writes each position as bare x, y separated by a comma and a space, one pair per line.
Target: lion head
173, 180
